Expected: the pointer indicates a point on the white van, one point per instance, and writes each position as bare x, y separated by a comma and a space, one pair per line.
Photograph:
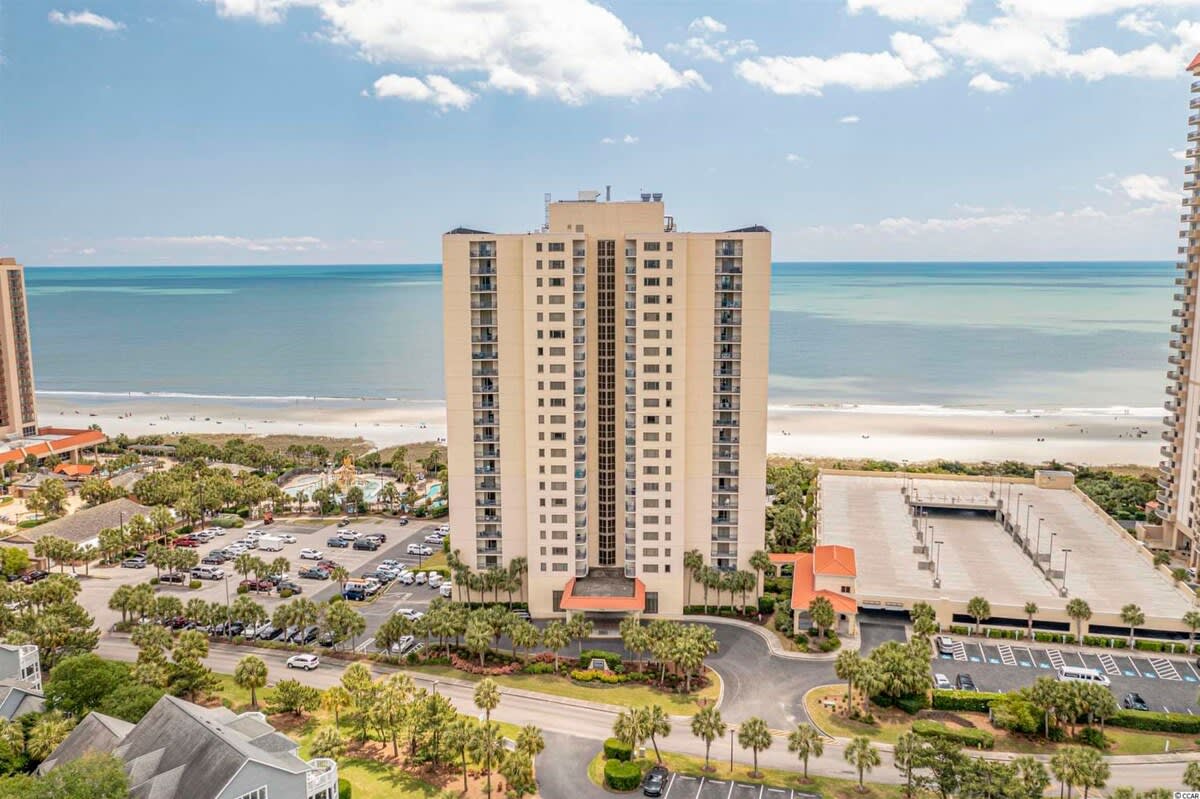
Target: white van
1077, 674
435, 580
447, 590
269, 543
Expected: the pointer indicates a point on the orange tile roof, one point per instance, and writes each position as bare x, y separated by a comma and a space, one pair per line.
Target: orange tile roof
1195, 65
835, 560
784, 557
804, 590
72, 440
626, 604
74, 469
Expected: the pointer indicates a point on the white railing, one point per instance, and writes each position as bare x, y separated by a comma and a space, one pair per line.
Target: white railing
324, 775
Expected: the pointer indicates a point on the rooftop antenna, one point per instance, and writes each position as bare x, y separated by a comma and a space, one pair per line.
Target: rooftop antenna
546, 221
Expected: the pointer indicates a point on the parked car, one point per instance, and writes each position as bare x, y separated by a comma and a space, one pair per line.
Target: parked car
402, 646
963, 682
402, 521
306, 635
235, 549
338, 543
269, 633
289, 585
655, 781
392, 563
349, 535
1134, 701
433, 538
410, 614
253, 632
380, 576
446, 590
32, 576
406, 578
366, 544
208, 573
327, 565
173, 577
421, 578
444, 529
286, 538
185, 541
435, 580
134, 563
203, 536
380, 537
314, 573
941, 681
521, 614
419, 549
326, 639
250, 584
311, 554
214, 559
945, 645
306, 662
343, 522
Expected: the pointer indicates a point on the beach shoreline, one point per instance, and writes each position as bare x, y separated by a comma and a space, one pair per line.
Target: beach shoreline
1096, 437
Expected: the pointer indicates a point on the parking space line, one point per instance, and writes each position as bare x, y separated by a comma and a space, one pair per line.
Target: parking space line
1164, 669
958, 651
1006, 654
670, 785
982, 658
1132, 671
1032, 661
1056, 658
1110, 665
731, 784
1082, 662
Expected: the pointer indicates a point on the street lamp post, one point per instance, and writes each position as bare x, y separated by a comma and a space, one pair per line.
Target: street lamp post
227, 635
930, 538
1019, 495
937, 572
1066, 552
1040, 520
731, 751
1050, 551
1025, 529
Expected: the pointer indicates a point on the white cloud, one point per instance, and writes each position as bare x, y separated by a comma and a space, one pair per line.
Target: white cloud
985, 83
85, 19
911, 61
1075, 10
574, 50
929, 11
1140, 22
629, 139
87, 251
434, 89
850, 119
1178, 155
706, 24
218, 241
907, 226
1152, 189
608, 140
794, 158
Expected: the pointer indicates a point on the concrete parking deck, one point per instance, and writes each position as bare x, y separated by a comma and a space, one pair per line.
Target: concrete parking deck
977, 557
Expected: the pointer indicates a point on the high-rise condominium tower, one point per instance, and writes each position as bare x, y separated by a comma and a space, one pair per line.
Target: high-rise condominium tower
1179, 480
606, 385
18, 414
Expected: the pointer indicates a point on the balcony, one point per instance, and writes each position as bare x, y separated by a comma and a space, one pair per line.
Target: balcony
483, 287
580, 424
1171, 405
580, 354
491, 535
728, 303
724, 551
483, 268
732, 249
578, 269
485, 404
728, 267
728, 284
487, 484
485, 371
322, 776
483, 305
579, 305
731, 423
483, 249
485, 437
1168, 435
487, 420
484, 338
485, 468
726, 405
722, 436
719, 503
728, 369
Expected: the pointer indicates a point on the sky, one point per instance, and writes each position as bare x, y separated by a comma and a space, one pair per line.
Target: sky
357, 131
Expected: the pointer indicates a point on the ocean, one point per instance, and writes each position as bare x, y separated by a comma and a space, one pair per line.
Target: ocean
976, 337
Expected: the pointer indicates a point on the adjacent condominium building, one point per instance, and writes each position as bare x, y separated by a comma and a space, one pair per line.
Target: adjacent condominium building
1179, 480
18, 415
606, 384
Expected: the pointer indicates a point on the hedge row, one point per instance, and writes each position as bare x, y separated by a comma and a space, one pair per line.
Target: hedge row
615, 749
608, 677
1156, 722
975, 701
621, 775
980, 739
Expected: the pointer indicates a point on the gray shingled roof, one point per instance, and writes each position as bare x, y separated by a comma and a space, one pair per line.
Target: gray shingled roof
96, 733
86, 524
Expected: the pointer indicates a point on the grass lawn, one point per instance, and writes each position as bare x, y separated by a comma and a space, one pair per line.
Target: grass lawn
693, 766
627, 695
891, 724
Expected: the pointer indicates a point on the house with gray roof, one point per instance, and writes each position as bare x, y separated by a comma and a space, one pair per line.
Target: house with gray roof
20, 681
183, 750
83, 526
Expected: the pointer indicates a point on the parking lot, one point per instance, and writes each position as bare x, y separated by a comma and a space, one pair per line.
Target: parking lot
1168, 684
681, 787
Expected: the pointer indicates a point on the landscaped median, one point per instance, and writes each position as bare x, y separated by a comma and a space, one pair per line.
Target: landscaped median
631, 772
963, 717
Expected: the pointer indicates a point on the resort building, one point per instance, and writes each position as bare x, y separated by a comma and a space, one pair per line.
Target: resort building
181, 749
606, 385
1179, 478
829, 572
18, 414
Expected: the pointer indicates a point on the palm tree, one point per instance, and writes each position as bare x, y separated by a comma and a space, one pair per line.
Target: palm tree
487, 697
708, 727
525, 635
530, 741
848, 667
280, 566
518, 568
121, 599
487, 745
243, 564
1132, 615
805, 741
906, 754
821, 613
1192, 620
12, 739
693, 562
655, 722
457, 738
341, 574
1080, 611
251, 674
863, 756
334, 699
979, 609
1031, 610
1191, 776
755, 736
554, 637
627, 728
760, 561
47, 733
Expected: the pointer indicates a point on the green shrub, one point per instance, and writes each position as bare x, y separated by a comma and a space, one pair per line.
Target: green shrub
1148, 646
1151, 721
830, 642
194, 584
766, 604
913, 704
958, 629
783, 622
778, 585
153, 581
345, 789
800, 640
184, 530
617, 750
1012, 712
611, 658
243, 589
1091, 736
286, 593
975, 701
622, 776
979, 739
538, 668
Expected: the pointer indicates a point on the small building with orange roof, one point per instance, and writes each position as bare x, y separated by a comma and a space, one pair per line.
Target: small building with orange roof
828, 571
75, 470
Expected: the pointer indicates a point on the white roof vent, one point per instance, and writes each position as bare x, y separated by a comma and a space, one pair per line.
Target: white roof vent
588, 196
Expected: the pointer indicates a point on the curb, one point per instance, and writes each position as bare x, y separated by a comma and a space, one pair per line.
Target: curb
773, 642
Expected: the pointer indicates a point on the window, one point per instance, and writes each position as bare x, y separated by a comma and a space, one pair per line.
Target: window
558, 567
257, 793
650, 264
556, 246
845, 589
650, 246
555, 281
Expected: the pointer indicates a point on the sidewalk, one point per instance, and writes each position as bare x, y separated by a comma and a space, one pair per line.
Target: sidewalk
849, 643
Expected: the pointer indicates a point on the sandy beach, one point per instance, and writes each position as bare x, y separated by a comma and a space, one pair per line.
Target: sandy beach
1119, 436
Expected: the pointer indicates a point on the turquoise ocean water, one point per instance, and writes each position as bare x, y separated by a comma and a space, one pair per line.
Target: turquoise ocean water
966, 335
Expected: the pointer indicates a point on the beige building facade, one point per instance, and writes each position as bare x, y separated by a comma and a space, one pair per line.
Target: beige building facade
1179, 477
18, 412
606, 387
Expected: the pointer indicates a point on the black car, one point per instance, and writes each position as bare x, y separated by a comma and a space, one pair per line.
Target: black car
173, 577
1134, 701
307, 635
367, 544
288, 585
214, 559
314, 573
655, 781
964, 682
290, 632
270, 633
29, 578
402, 522
338, 543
